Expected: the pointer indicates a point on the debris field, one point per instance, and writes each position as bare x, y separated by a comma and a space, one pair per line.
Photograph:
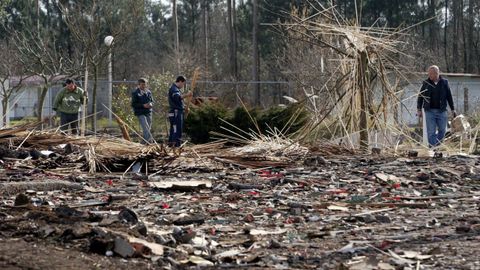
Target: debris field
75, 203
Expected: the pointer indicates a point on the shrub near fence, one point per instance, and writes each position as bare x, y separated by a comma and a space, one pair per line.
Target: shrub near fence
204, 120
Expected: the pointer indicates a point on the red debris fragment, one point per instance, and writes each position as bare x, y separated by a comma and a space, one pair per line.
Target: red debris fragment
249, 218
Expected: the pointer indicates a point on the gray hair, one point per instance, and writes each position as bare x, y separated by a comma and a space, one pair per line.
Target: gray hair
434, 67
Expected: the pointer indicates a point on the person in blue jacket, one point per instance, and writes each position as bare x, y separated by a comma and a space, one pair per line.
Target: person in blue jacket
433, 98
176, 110
142, 103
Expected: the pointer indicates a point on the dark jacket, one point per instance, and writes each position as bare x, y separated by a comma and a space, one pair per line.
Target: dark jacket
138, 99
435, 96
175, 100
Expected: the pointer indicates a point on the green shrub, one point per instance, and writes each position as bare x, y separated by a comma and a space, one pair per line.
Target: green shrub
288, 119
243, 119
201, 121
121, 103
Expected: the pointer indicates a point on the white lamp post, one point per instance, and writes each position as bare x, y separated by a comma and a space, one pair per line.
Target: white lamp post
109, 41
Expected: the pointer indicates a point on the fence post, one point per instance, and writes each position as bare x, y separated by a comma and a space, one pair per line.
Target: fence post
465, 100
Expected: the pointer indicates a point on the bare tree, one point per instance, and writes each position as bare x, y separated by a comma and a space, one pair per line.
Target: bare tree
40, 56
456, 20
11, 79
470, 37
434, 26
90, 23
255, 54
175, 33
445, 43
205, 25
232, 34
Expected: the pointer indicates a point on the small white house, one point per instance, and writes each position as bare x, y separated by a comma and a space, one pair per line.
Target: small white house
24, 102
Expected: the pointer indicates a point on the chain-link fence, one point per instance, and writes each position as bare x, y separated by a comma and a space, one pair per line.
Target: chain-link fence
465, 91
230, 93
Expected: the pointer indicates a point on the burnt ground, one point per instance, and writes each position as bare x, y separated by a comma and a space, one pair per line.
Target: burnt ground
335, 212
32, 253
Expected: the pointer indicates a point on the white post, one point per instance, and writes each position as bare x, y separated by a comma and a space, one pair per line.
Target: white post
109, 41
6, 117
109, 94
424, 128
84, 105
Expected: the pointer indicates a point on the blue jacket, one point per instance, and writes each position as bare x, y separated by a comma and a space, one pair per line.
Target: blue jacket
138, 99
175, 100
435, 96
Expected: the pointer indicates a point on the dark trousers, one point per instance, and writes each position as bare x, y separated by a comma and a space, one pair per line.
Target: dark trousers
176, 126
68, 120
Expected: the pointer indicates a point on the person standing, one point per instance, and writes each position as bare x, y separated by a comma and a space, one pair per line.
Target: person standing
176, 110
67, 104
433, 98
142, 103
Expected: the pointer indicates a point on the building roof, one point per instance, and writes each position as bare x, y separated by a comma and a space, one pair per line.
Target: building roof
37, 80
456, 75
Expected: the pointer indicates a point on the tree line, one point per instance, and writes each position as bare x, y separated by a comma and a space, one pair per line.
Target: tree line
228, 39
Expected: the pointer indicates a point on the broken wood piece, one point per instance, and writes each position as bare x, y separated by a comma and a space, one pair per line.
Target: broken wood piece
89, 203
387, 177
265, 232
298, 205
182, 185
439, 197
118, 197
297, 182
156, 249
373, 212
334, 207
238, 186
199, 261
93, 190
187, 220
410, 205
123, 128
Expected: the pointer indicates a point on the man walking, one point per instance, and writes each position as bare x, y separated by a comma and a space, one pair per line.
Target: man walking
175, 114
433, 98
67, 103
142, 103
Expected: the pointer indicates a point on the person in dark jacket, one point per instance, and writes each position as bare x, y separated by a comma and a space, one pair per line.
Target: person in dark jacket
433, 98
175, 113
142, 103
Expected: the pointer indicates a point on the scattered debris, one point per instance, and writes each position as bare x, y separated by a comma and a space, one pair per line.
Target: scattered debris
328, 209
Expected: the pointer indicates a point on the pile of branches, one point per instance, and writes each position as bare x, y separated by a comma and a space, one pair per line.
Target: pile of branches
104, 153
363, 91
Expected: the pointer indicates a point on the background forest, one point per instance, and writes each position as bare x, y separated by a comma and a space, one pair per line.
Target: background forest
218, 36
227, 40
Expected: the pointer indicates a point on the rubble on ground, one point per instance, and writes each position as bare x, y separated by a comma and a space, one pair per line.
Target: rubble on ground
254, 206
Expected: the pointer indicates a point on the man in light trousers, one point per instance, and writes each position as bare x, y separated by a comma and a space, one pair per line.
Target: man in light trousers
142, 103
434, 96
